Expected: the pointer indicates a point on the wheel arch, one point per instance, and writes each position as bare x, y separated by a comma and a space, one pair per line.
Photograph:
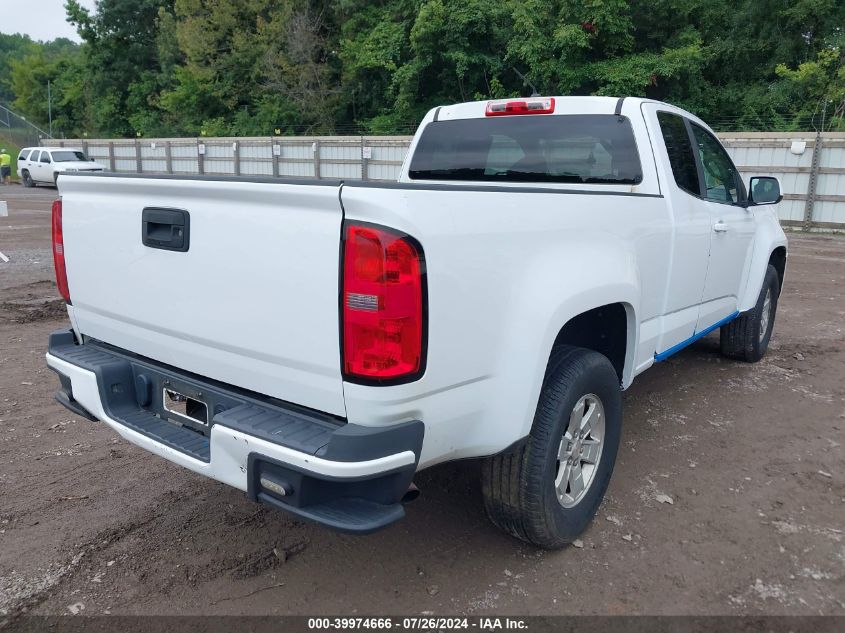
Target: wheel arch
608, 329
570, 319
778, 260
770, 247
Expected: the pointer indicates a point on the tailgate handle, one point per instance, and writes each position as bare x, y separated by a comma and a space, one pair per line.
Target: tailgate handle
167, 229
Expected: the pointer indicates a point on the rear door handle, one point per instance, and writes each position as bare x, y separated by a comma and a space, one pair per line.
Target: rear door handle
166, 229
720, 227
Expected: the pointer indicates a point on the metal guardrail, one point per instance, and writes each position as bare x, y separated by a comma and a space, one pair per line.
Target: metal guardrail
811, 166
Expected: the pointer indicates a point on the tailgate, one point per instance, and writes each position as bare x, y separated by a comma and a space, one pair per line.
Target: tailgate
252, 302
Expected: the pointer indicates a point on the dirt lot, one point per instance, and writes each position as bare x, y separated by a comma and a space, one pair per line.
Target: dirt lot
751, 456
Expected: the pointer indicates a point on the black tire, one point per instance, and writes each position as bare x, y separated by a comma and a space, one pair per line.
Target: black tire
747, 337
27, 179
519, 490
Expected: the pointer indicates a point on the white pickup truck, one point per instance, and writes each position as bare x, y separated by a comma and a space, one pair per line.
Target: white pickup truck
317, 343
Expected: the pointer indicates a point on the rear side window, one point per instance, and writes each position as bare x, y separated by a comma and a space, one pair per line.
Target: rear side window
680, 151
596, 149
23, 154
69, 156
721, 179
45, 157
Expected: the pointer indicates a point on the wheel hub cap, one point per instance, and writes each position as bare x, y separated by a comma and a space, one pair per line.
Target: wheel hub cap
580, 450
767, 313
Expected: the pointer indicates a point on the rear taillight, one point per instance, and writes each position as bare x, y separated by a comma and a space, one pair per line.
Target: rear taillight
59, 251
507, 107
383, 305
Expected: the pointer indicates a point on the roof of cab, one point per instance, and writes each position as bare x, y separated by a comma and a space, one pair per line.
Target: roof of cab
563, 105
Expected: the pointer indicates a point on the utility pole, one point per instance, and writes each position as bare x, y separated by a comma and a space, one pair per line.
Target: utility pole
50, 107
814, 172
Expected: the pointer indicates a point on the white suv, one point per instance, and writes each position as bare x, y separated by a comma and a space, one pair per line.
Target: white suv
44, 164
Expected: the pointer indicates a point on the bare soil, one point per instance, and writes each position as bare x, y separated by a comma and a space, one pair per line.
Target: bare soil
751, 457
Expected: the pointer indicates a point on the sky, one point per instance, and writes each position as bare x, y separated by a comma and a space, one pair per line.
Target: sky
40, 19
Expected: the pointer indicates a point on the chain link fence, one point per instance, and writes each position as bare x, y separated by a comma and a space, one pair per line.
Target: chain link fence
16, 129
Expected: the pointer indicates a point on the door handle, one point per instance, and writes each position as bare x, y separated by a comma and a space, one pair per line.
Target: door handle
167, 229
720, 227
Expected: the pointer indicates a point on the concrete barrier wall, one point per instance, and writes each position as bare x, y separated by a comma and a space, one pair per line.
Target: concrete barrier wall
336, 157
811, 169
811, 166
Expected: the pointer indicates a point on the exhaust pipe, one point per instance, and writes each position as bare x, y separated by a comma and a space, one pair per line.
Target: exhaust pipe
411, 494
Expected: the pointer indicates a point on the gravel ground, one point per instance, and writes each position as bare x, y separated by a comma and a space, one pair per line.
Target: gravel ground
728, 496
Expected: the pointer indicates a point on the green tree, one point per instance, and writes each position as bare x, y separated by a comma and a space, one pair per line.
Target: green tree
821, 84
121, 59
177, 67
12, 47
457, 54
28, 81
249, 67
374, 44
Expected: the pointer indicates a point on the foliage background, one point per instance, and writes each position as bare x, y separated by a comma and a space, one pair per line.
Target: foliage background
259, 67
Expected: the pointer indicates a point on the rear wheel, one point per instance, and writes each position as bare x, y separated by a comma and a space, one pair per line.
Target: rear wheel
547, 491
27, 179
747, 337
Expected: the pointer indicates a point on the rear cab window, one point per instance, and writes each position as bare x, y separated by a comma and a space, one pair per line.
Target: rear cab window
594, 149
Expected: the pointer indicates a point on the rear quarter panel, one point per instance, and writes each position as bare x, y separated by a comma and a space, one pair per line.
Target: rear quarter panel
506, 270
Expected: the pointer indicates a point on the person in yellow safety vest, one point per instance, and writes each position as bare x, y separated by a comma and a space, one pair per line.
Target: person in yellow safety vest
5, 167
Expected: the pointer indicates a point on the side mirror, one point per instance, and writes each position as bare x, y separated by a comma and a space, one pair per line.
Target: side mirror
764, 190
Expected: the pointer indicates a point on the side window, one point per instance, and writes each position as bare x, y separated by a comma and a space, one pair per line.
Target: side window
22, 156
680, 151
34, 156
45, 157
721, 179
